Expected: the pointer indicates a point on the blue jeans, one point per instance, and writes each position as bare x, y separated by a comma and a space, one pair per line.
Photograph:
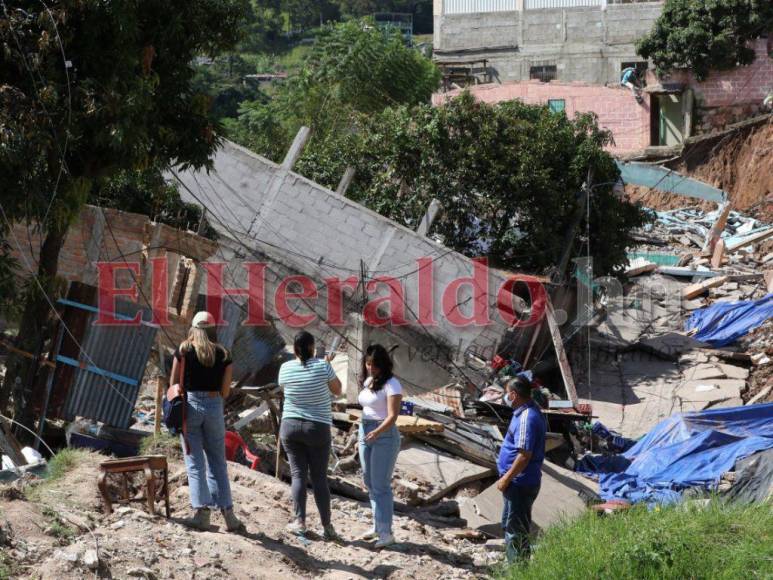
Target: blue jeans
206, 466
378, 462
516, 520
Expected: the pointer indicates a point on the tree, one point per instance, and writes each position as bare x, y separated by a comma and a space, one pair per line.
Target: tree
352, 68
706, 34
508, 178
87, 89
145, 191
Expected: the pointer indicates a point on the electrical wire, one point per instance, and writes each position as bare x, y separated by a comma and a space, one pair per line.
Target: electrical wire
38, 437
53, 308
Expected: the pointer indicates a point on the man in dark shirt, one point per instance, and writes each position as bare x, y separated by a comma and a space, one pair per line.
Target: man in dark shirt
520, 466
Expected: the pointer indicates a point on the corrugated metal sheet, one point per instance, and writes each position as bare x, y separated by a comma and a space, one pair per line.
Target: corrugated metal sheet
118, 350
473, 6
254, 347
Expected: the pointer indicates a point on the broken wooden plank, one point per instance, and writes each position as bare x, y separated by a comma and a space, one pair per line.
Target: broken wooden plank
563, 362
719, 253
695, 290
408, 424
686, 272
768, 277
752, 239
714, 235
251, 416
760, 396
640, 266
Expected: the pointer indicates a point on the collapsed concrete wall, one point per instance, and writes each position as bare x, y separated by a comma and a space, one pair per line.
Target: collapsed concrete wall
266, 212
584, 43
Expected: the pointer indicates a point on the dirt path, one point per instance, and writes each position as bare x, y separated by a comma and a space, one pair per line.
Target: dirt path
131, 543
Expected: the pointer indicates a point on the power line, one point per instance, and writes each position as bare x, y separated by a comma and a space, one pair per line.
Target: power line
56, 312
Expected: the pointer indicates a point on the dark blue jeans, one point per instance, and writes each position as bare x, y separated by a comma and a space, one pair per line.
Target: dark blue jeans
516, 520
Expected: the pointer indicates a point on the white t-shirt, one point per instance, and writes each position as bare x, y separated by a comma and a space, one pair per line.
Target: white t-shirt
374, 405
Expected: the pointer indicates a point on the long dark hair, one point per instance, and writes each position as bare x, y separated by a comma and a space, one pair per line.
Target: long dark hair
303, 345
379, 357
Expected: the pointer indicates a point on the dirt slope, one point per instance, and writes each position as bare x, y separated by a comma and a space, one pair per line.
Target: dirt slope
133, 544
741, 163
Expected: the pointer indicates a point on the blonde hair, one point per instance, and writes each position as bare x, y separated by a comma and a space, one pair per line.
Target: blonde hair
198, 340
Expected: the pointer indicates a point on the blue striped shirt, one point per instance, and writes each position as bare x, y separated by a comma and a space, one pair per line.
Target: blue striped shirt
306, 392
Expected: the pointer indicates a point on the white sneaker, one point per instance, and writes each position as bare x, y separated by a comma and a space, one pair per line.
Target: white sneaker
385, 541
369, 535
296, 527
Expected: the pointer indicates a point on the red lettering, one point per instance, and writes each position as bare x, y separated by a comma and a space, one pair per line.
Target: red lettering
537, 296
289, 316
335, 298
480, 308
426, 292
395, 298
160, 291
107, 293
255, 292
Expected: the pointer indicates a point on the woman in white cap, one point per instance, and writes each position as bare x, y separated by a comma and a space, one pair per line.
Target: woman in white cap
207, 383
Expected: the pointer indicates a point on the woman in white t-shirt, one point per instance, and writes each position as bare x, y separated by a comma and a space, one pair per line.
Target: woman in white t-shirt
379, 439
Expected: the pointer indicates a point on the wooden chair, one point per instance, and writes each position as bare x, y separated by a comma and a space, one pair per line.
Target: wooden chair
155, 486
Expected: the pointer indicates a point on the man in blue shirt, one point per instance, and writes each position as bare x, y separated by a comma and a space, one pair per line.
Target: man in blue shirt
520, 466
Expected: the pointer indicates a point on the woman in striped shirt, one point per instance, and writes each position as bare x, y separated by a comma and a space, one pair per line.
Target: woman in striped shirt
308, 384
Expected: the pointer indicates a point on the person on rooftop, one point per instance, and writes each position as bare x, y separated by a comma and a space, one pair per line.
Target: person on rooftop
629, 77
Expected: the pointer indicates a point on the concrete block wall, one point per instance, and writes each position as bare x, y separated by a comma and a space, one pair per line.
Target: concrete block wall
306, 228
477, 31
587, 44
627, 23
616, 108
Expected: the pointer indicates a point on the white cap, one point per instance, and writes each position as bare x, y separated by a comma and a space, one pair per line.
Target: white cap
203, 319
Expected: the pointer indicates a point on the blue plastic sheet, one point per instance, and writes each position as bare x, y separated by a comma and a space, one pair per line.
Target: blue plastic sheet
723, 323
686, 450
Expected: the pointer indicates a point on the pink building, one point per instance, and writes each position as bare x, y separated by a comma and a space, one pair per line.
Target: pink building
674, 108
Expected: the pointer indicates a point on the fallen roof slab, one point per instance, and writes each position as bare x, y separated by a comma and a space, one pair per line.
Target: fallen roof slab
560, 497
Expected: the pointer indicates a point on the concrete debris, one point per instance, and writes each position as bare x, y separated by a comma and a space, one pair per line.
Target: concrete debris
91, 559
563, 494
437, 473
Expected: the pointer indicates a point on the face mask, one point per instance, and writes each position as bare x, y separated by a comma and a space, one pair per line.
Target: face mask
510, 402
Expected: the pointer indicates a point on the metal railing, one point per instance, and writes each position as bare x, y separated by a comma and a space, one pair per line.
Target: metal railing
473, 6
482, 6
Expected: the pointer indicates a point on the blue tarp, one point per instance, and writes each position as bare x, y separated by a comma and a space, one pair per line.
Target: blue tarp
723, 323
685, 450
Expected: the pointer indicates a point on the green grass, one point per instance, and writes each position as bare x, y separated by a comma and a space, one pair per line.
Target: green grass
58, 529
7, 568
163, 444
65, 460
717, 540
